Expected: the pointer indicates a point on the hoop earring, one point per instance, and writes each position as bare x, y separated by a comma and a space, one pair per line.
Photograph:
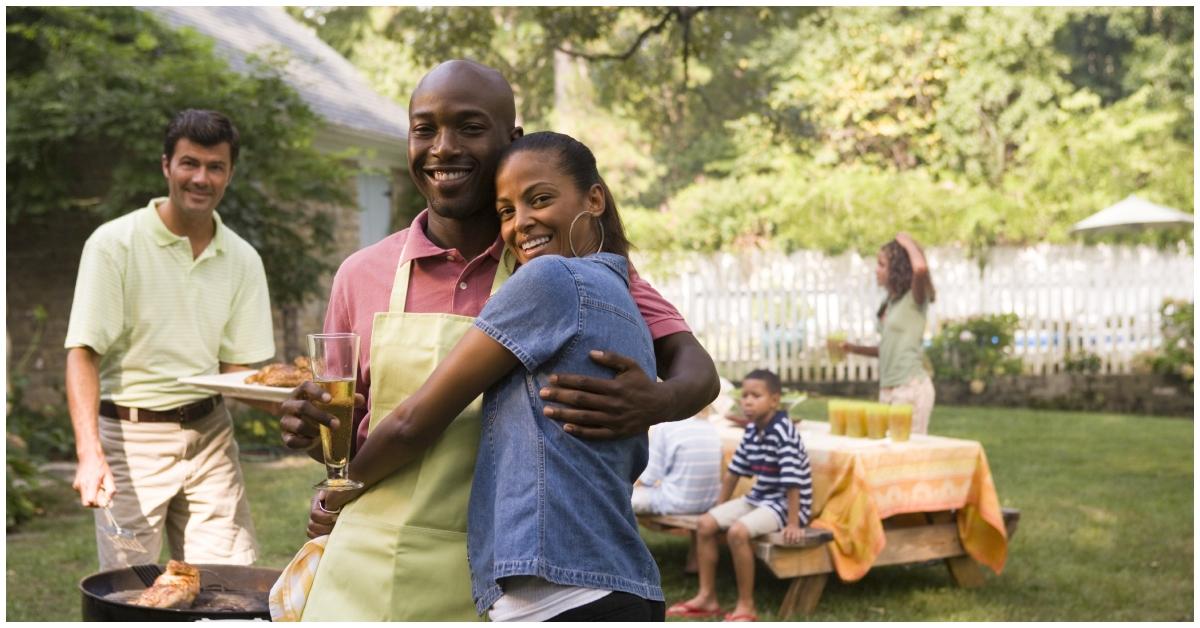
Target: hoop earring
571, 233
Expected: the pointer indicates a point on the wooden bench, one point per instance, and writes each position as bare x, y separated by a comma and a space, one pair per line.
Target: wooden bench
911, 538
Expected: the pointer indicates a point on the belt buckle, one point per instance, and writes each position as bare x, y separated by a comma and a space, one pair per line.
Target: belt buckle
181, 413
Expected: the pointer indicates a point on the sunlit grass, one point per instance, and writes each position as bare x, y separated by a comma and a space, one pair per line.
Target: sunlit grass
1105, 534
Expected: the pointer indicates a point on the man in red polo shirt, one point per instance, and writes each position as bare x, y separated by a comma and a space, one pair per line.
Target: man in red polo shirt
461, 116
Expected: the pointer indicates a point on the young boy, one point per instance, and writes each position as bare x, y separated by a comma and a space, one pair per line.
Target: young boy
781, 499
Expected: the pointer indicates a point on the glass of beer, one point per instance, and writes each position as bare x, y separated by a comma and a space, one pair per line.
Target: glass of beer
837, 417
900, 422
834, 345
334, 362
856, 419
877, 420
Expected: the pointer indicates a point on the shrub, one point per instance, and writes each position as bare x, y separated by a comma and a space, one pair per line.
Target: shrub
1082, 362
255, 429
21, 480
46, 431
978, 348
1176, 357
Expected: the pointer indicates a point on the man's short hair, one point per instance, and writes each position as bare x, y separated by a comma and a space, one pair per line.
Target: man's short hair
774, 386
203, 126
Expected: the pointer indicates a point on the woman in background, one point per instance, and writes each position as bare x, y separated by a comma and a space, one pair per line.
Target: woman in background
900, 269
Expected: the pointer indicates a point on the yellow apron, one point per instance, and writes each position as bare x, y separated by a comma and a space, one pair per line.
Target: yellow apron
399, 551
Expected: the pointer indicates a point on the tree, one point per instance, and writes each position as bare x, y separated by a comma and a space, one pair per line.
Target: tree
664, 78
832, 128
90, 91
966, 125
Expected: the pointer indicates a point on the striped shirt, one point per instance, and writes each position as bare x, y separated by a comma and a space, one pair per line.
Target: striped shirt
155, 314
685, 466
776, 457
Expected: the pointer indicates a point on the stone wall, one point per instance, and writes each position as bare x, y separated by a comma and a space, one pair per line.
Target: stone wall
42, 258
1127, 394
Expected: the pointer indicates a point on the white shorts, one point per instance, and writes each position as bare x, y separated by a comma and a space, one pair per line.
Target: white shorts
918, 393
758, 520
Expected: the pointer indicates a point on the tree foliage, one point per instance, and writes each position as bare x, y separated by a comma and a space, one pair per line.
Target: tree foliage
832, 128
968, 125
90, 91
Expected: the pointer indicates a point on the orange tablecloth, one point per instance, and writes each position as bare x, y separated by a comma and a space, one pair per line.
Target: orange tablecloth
859, 482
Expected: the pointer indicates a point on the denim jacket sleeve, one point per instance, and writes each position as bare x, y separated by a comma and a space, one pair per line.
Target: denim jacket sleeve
535, 313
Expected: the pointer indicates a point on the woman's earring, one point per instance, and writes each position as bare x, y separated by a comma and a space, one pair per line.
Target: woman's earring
571, 232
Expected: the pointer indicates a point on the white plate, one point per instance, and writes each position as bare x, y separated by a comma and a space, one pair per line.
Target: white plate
234, 385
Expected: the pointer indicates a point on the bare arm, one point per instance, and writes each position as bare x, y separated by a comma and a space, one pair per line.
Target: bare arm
688, 373
475, 363
791, 531
728, 483
83, 402
867, 350
920, 269
632, 401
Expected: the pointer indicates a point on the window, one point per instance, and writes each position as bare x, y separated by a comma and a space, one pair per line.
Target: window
375, 208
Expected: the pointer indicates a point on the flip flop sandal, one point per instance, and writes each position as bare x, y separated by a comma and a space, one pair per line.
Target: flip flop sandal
685, 610
740, 617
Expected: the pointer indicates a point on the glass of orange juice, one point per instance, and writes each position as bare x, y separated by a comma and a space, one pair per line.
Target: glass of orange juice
837, 417
833, 344
856, 419
900, 422
877, 420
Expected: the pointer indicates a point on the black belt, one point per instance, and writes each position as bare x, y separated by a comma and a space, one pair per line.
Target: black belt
182, 414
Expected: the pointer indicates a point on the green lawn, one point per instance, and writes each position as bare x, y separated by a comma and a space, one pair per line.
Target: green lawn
1106, 530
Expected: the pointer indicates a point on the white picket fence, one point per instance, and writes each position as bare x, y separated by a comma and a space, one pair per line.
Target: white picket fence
760, 309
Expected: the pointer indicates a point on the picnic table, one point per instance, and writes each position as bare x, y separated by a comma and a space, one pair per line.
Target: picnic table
883, 503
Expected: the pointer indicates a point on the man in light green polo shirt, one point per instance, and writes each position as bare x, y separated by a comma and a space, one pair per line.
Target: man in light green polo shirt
164, 292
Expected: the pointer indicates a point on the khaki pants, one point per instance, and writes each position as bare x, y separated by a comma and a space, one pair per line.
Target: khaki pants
918, 393
182, 479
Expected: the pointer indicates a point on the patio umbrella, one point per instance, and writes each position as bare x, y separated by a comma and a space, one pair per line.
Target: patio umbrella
1131, 214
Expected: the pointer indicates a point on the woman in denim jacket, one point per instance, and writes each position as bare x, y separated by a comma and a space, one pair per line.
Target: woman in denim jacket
551, 530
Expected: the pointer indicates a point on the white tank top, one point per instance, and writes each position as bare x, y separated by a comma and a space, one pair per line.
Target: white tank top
529, 598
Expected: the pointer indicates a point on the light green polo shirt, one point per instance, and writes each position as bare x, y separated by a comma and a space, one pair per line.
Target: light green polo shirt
901, 332
154, 314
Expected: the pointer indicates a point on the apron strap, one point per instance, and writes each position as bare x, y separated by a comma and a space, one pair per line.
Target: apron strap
508, 265
400, 281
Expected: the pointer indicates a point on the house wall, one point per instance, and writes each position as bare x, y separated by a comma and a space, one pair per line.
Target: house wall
290, 337
43, 260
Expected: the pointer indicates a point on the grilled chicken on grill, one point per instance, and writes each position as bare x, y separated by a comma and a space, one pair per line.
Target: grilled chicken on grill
176, 588
282, 375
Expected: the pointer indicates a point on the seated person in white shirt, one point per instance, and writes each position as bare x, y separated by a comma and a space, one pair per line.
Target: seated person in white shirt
683, 475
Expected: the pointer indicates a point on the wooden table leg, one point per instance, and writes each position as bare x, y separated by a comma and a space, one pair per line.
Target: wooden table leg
803, 594
964, 570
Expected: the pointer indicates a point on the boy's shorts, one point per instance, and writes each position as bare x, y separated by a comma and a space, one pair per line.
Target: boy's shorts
758, 520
